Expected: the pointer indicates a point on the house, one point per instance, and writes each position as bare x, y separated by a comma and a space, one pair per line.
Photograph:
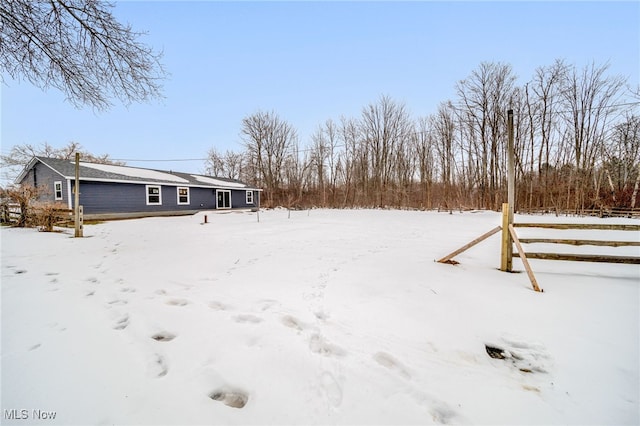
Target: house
109, 191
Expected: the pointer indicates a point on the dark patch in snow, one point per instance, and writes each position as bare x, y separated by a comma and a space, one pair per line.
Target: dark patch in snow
20, 271
233, 398
163, 336
495, 352
527, 357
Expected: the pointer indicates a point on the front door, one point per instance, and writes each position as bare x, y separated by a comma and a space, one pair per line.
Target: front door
223, 199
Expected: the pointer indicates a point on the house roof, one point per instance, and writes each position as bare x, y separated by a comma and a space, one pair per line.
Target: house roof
126, 174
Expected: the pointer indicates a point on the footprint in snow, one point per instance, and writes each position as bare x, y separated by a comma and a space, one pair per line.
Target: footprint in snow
231, 398
388, 361
292, 322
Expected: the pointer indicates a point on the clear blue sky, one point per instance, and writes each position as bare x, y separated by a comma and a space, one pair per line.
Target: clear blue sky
311, 61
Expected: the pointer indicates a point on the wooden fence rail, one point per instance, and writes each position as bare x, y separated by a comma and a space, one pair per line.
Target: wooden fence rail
510, 238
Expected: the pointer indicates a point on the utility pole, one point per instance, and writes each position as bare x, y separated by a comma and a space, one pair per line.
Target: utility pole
77, 206
506, 262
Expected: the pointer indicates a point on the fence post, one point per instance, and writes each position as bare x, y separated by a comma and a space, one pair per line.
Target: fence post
77, 213
506, 254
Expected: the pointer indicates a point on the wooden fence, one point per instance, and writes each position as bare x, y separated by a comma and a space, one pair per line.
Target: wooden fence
10, 213
510, 238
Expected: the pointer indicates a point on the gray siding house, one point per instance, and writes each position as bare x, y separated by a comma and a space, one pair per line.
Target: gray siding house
108, 191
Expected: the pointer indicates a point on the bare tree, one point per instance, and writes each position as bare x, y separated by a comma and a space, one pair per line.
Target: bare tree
385, 126
590, 97
78, 47
486, 95
268, 140
443, 128
622, 155
214, 164
423, 143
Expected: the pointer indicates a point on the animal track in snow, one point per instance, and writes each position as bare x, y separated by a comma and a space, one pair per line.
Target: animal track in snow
158, 366
231, 398
388, 361
122, 323
320, 345
163, 336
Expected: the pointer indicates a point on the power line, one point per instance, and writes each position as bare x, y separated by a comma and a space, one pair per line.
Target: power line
157, 160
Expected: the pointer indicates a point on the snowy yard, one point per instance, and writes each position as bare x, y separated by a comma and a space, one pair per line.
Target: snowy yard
329, 317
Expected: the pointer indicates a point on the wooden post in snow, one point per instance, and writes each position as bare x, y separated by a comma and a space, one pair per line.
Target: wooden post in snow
78, 220
506, 257
523, 257
506, 251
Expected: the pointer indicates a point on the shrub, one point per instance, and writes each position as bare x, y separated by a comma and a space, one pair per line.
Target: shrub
47, 215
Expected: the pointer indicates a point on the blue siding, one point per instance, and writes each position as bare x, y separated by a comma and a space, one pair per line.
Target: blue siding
239, 199
109, 197
43, 177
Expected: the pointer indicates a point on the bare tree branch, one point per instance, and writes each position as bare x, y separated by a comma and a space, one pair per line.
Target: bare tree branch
78, 47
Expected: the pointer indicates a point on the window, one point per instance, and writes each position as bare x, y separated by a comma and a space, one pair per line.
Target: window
249, 197
183, 195
57, 189
154, 195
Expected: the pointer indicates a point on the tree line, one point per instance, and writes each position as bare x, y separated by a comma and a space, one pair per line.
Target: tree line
576, 135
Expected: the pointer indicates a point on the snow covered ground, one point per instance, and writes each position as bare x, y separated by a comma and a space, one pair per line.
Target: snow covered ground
329, 317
